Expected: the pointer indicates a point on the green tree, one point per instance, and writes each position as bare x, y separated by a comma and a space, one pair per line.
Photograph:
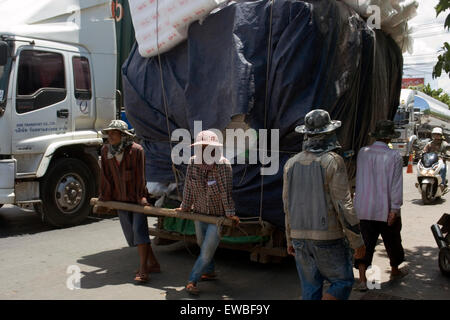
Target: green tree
444, 58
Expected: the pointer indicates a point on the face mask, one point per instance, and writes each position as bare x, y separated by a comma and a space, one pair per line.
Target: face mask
321, 143
114, 150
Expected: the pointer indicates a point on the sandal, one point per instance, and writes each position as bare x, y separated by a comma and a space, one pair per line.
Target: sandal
191, 288
141, 278
209, 276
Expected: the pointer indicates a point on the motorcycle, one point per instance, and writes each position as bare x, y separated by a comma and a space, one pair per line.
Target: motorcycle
429, 179
443, 243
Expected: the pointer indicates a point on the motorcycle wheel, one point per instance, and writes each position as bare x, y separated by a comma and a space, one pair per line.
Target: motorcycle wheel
426, 194
444, 261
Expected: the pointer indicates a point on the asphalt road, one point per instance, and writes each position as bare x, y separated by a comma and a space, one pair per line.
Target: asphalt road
38, 262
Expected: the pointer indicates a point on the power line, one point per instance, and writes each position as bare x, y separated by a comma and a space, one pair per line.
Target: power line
427, 26
419, 63
421, 55
427, 35
419, 71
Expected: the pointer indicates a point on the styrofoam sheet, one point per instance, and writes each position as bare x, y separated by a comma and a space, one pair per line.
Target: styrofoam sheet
162, 24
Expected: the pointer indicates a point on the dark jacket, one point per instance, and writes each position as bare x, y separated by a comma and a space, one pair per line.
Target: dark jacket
125, 181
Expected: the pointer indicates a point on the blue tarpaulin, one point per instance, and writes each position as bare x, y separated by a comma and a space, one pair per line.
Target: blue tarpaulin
322, 55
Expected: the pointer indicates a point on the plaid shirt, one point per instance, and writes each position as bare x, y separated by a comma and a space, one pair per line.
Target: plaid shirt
209, 190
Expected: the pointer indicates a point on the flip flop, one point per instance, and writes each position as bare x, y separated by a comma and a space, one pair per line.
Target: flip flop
192, 289
141, 278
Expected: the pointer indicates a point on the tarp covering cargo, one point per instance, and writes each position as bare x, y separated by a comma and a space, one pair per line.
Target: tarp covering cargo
321, 55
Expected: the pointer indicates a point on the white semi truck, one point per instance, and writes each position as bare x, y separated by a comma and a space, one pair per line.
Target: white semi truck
57, 91
407, 121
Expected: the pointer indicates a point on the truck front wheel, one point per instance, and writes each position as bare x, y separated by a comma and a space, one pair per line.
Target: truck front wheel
66, 190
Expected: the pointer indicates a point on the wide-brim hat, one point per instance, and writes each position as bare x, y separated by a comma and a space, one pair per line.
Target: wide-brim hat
385, 129
118, 125
318, 122
207, 137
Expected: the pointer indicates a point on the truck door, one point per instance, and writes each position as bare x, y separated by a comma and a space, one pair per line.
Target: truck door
42, 106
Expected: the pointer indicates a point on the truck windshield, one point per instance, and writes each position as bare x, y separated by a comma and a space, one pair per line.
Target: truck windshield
401, 117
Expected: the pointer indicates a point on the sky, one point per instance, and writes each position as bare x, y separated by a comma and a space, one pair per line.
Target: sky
429, 35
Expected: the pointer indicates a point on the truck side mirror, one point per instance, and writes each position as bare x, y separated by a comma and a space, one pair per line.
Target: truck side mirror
119, 103
3, 53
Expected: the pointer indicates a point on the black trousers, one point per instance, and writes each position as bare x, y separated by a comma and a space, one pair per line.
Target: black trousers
371, 230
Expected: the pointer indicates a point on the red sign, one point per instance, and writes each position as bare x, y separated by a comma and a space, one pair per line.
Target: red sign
412, 82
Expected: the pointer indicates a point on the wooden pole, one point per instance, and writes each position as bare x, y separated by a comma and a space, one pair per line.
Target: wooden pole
161, 212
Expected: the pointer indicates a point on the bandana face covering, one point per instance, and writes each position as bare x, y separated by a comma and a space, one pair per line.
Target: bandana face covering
321, 143
114, 150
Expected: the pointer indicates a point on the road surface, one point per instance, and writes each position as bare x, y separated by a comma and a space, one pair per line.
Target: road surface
38, 262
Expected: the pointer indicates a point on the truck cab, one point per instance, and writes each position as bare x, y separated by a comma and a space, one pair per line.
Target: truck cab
57, 91
406, 120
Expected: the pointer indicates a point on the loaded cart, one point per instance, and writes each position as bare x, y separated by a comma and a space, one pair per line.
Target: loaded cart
250, 66
264, 242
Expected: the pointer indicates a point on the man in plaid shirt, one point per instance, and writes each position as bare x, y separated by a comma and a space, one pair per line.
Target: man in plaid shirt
217, 181
207, 190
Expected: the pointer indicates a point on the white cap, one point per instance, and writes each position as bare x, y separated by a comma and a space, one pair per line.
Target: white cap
437, 131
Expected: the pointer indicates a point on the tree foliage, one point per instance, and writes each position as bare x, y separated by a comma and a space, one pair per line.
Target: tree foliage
443, 63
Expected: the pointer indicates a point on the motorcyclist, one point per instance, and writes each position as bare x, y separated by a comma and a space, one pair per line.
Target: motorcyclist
441, 147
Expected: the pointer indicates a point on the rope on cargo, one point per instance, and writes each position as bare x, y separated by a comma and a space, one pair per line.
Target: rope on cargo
355, 121
174, 169
269, 53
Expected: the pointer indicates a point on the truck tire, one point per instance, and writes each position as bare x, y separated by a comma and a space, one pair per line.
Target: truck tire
66, 190
444, 261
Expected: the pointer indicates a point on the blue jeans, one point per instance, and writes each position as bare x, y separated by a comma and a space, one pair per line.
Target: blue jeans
319, 260
208, 240
134, 227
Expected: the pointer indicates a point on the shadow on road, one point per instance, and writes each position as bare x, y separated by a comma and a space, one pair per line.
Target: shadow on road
17, 222
253, 280
419, 202
424, 280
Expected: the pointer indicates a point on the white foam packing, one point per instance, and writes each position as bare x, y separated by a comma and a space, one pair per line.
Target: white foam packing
394, 16
173, 20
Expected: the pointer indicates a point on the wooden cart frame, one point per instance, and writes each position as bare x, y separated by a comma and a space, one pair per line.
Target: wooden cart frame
272, 250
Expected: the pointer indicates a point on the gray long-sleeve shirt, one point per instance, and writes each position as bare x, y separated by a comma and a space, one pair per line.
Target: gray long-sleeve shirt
317, 199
